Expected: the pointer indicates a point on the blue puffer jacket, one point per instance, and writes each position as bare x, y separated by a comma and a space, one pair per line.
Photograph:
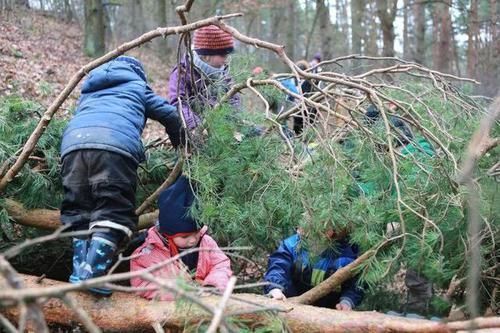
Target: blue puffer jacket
291, 268
112, 111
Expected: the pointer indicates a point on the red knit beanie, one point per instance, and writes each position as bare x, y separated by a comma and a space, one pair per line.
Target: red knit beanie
212, 40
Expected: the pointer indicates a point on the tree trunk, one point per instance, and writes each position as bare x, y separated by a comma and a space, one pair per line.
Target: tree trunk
311, 34
357, 9
50, 219
324, 29
386, 10
494, 47
161, 20
94, 45
406, 37
372, 31
445, 52
68, 13
290, 34
435, 35
419, 54
128, 313
473, 32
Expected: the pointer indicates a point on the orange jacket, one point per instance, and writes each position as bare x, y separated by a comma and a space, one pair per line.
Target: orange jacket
213, 265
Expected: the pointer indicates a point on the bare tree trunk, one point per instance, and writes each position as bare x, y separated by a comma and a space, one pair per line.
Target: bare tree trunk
435, 34
455, 53
406, 37
445, 52
94, 45
68, 13
291, 28
357, 9
325, 28
473, 32
310, 34
386, 10
419, 54
371, 31
161, 19
494, 49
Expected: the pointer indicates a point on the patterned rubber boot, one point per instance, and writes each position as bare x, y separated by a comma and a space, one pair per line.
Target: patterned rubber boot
79, 256
99, 258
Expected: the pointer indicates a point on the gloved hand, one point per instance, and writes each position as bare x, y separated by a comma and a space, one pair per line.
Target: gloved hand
276, 293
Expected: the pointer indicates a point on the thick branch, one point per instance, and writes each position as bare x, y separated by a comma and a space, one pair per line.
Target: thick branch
50, 219
336, 279
128, 313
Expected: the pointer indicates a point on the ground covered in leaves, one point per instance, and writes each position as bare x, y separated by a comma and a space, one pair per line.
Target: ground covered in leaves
39, 54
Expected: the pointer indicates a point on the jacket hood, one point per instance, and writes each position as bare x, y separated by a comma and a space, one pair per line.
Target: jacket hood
113, 73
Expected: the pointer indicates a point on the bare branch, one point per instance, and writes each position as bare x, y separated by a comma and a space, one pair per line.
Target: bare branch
219, 310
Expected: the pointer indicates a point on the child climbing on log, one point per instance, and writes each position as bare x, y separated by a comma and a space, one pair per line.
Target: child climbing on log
200, 86
176, 233
292, 270
100, 151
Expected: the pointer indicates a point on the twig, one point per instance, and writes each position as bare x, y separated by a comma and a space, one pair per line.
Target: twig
169, 181
8, 325
84, 317
219, 310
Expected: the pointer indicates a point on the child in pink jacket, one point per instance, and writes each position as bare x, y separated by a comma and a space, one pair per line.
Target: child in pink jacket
175, 233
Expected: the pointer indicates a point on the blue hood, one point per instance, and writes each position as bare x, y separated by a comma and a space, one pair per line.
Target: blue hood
111, 113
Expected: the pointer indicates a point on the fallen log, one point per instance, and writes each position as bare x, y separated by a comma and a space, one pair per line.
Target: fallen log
123, 312
50, 219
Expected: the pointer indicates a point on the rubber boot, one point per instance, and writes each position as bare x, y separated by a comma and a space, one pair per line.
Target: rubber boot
99, 259
79, 256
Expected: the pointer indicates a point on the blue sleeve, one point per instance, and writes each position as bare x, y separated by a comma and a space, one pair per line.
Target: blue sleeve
160, 110
279, 268
351, 292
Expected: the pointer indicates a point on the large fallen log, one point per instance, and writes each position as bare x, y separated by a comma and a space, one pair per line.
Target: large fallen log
50, 219
124, 312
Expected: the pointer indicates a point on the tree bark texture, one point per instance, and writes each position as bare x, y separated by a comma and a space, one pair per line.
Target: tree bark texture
325, 28
357, 9
50, 219
472, 32
386, 10
419, 54
124, 312
445, 52
94, 44
291, 29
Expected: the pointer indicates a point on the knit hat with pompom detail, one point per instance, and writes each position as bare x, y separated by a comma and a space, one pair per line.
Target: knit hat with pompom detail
212, 40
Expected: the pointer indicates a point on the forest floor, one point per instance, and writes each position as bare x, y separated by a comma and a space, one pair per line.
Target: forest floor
40, 53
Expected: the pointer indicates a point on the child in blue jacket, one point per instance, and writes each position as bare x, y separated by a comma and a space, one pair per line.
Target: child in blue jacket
100, 151
292, 272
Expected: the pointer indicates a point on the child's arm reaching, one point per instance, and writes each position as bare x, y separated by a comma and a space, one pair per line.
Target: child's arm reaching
143, 258
279, 270
219, 271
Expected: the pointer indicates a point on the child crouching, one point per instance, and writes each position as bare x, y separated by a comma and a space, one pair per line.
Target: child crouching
175, 233
292, 270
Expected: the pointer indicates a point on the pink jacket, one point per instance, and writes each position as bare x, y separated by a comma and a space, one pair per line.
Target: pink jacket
213, 265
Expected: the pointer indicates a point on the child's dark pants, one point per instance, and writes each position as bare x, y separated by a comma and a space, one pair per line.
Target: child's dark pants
99, 192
